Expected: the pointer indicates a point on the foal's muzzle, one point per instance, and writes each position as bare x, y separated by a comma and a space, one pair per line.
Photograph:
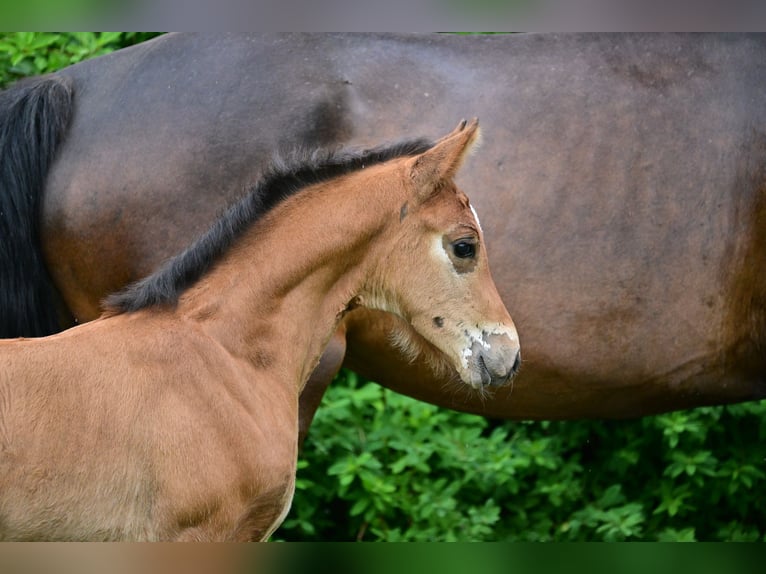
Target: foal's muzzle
496, 358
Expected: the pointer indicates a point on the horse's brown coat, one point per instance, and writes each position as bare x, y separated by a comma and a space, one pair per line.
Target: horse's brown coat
621, 189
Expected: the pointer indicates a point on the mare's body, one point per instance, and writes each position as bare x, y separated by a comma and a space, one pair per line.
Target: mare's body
622, 190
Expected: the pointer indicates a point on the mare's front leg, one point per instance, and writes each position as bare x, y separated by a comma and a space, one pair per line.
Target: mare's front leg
320, 379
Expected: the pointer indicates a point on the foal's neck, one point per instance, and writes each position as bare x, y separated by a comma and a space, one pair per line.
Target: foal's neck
276, 298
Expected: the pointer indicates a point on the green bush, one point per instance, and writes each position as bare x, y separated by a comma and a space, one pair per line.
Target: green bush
33, 53
380, 466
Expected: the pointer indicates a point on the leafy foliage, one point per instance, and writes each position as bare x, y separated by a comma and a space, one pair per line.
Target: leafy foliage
32, 53
380, 466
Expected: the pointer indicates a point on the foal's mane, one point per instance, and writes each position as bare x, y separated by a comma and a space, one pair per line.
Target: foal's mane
285, 177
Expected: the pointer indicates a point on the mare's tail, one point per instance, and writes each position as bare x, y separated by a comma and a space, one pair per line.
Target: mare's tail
34, 115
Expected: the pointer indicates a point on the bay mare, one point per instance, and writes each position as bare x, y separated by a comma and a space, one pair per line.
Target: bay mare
621, 190
175, 415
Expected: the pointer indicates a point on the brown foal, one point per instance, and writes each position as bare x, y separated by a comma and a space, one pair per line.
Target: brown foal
174, 416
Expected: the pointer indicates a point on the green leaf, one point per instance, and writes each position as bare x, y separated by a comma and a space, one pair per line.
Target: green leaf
359, 507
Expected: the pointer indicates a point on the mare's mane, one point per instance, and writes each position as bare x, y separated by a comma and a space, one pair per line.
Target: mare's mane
284, 178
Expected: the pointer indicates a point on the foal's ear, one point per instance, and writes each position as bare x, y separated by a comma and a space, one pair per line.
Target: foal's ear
442, 161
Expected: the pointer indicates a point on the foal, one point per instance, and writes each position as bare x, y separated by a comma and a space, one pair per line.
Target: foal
175, 415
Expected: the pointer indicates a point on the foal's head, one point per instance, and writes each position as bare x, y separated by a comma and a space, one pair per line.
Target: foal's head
435, 272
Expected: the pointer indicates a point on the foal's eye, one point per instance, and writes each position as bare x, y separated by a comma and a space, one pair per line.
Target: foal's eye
464, 250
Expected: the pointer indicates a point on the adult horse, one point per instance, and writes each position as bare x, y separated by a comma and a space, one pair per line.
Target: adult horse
622, 190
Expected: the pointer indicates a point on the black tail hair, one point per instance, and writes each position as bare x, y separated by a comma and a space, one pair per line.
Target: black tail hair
34, 116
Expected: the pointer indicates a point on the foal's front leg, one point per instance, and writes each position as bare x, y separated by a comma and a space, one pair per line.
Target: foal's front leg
265, 515
254, 521
246, 481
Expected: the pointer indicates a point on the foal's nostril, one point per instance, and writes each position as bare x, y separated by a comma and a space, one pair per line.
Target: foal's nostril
486, 376
516, 364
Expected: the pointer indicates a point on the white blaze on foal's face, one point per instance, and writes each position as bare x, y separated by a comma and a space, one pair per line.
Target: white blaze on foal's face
476, 217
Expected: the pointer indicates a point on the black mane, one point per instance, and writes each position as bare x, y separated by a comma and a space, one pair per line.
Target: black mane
283, 179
